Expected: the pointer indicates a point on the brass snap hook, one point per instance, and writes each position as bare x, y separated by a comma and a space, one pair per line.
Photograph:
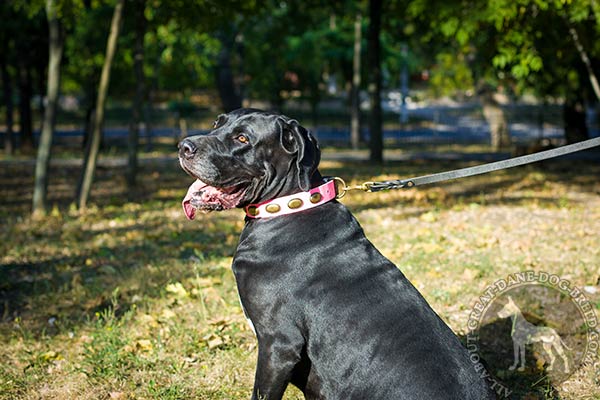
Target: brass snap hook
341, 188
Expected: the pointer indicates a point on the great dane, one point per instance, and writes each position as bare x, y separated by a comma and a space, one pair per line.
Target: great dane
331, 314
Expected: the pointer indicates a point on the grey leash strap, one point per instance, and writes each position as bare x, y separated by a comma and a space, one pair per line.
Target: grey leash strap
479, 169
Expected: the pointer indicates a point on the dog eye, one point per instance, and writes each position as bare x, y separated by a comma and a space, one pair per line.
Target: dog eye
242, 138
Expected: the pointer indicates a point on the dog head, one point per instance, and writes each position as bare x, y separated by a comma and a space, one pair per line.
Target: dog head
250, 156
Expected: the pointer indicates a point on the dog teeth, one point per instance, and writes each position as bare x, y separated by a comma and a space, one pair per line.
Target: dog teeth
205, 207
196, 203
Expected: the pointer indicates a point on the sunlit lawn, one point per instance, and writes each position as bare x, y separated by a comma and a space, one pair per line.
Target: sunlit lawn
130, 300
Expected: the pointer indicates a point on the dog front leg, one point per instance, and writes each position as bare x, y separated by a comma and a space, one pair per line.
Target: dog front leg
276, 361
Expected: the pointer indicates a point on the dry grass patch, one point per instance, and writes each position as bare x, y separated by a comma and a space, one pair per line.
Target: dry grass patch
130, 300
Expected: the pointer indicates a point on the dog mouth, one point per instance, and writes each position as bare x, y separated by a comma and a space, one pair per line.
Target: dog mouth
205, 198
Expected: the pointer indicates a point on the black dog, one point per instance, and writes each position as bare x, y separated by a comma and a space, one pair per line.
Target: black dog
331, 314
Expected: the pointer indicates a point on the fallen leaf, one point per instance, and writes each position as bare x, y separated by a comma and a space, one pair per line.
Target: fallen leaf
148, 320
213, 341
221, 322
191, 359
166, 315
144, 345
469, 274
590, 289
176, 290
50, 355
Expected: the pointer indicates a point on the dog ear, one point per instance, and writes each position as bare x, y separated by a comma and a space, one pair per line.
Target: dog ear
295, 139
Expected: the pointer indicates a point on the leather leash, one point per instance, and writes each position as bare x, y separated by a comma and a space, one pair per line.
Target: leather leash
336, 188
342, 188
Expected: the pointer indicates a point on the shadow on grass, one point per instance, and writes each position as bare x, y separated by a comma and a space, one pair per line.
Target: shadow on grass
136, 262
73, 275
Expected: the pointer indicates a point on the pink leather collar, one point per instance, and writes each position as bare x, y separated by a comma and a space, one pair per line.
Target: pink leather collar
293, 203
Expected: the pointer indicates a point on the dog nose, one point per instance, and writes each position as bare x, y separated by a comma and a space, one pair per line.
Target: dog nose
187, 148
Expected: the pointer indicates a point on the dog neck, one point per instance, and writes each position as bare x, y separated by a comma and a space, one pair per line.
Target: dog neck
293, 203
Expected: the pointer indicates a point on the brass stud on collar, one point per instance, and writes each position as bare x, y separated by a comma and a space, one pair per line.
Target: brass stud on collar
295, 203
253, 211
315, 198
273, 208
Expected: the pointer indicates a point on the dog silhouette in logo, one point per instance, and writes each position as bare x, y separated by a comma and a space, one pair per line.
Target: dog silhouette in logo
524, 333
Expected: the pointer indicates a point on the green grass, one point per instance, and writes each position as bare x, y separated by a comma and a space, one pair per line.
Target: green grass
129, 300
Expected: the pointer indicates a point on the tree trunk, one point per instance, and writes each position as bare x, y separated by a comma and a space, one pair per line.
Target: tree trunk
41, 69
148, 112
374, 65
9, 139
40, 189
230, 98
153, 90
575, 122
138, 102
574, 115
496, 119
586, 61
87, 125
92, 157
25, 115
355, 88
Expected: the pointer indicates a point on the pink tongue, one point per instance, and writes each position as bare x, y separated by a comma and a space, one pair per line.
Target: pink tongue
188, 209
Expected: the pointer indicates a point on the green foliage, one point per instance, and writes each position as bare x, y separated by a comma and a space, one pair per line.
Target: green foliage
178, 57
522, 44
85, 46
280, 47
451, 73
280, 56
103, 356
184, 57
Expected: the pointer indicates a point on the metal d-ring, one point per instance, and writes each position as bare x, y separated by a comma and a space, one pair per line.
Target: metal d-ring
340, 187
